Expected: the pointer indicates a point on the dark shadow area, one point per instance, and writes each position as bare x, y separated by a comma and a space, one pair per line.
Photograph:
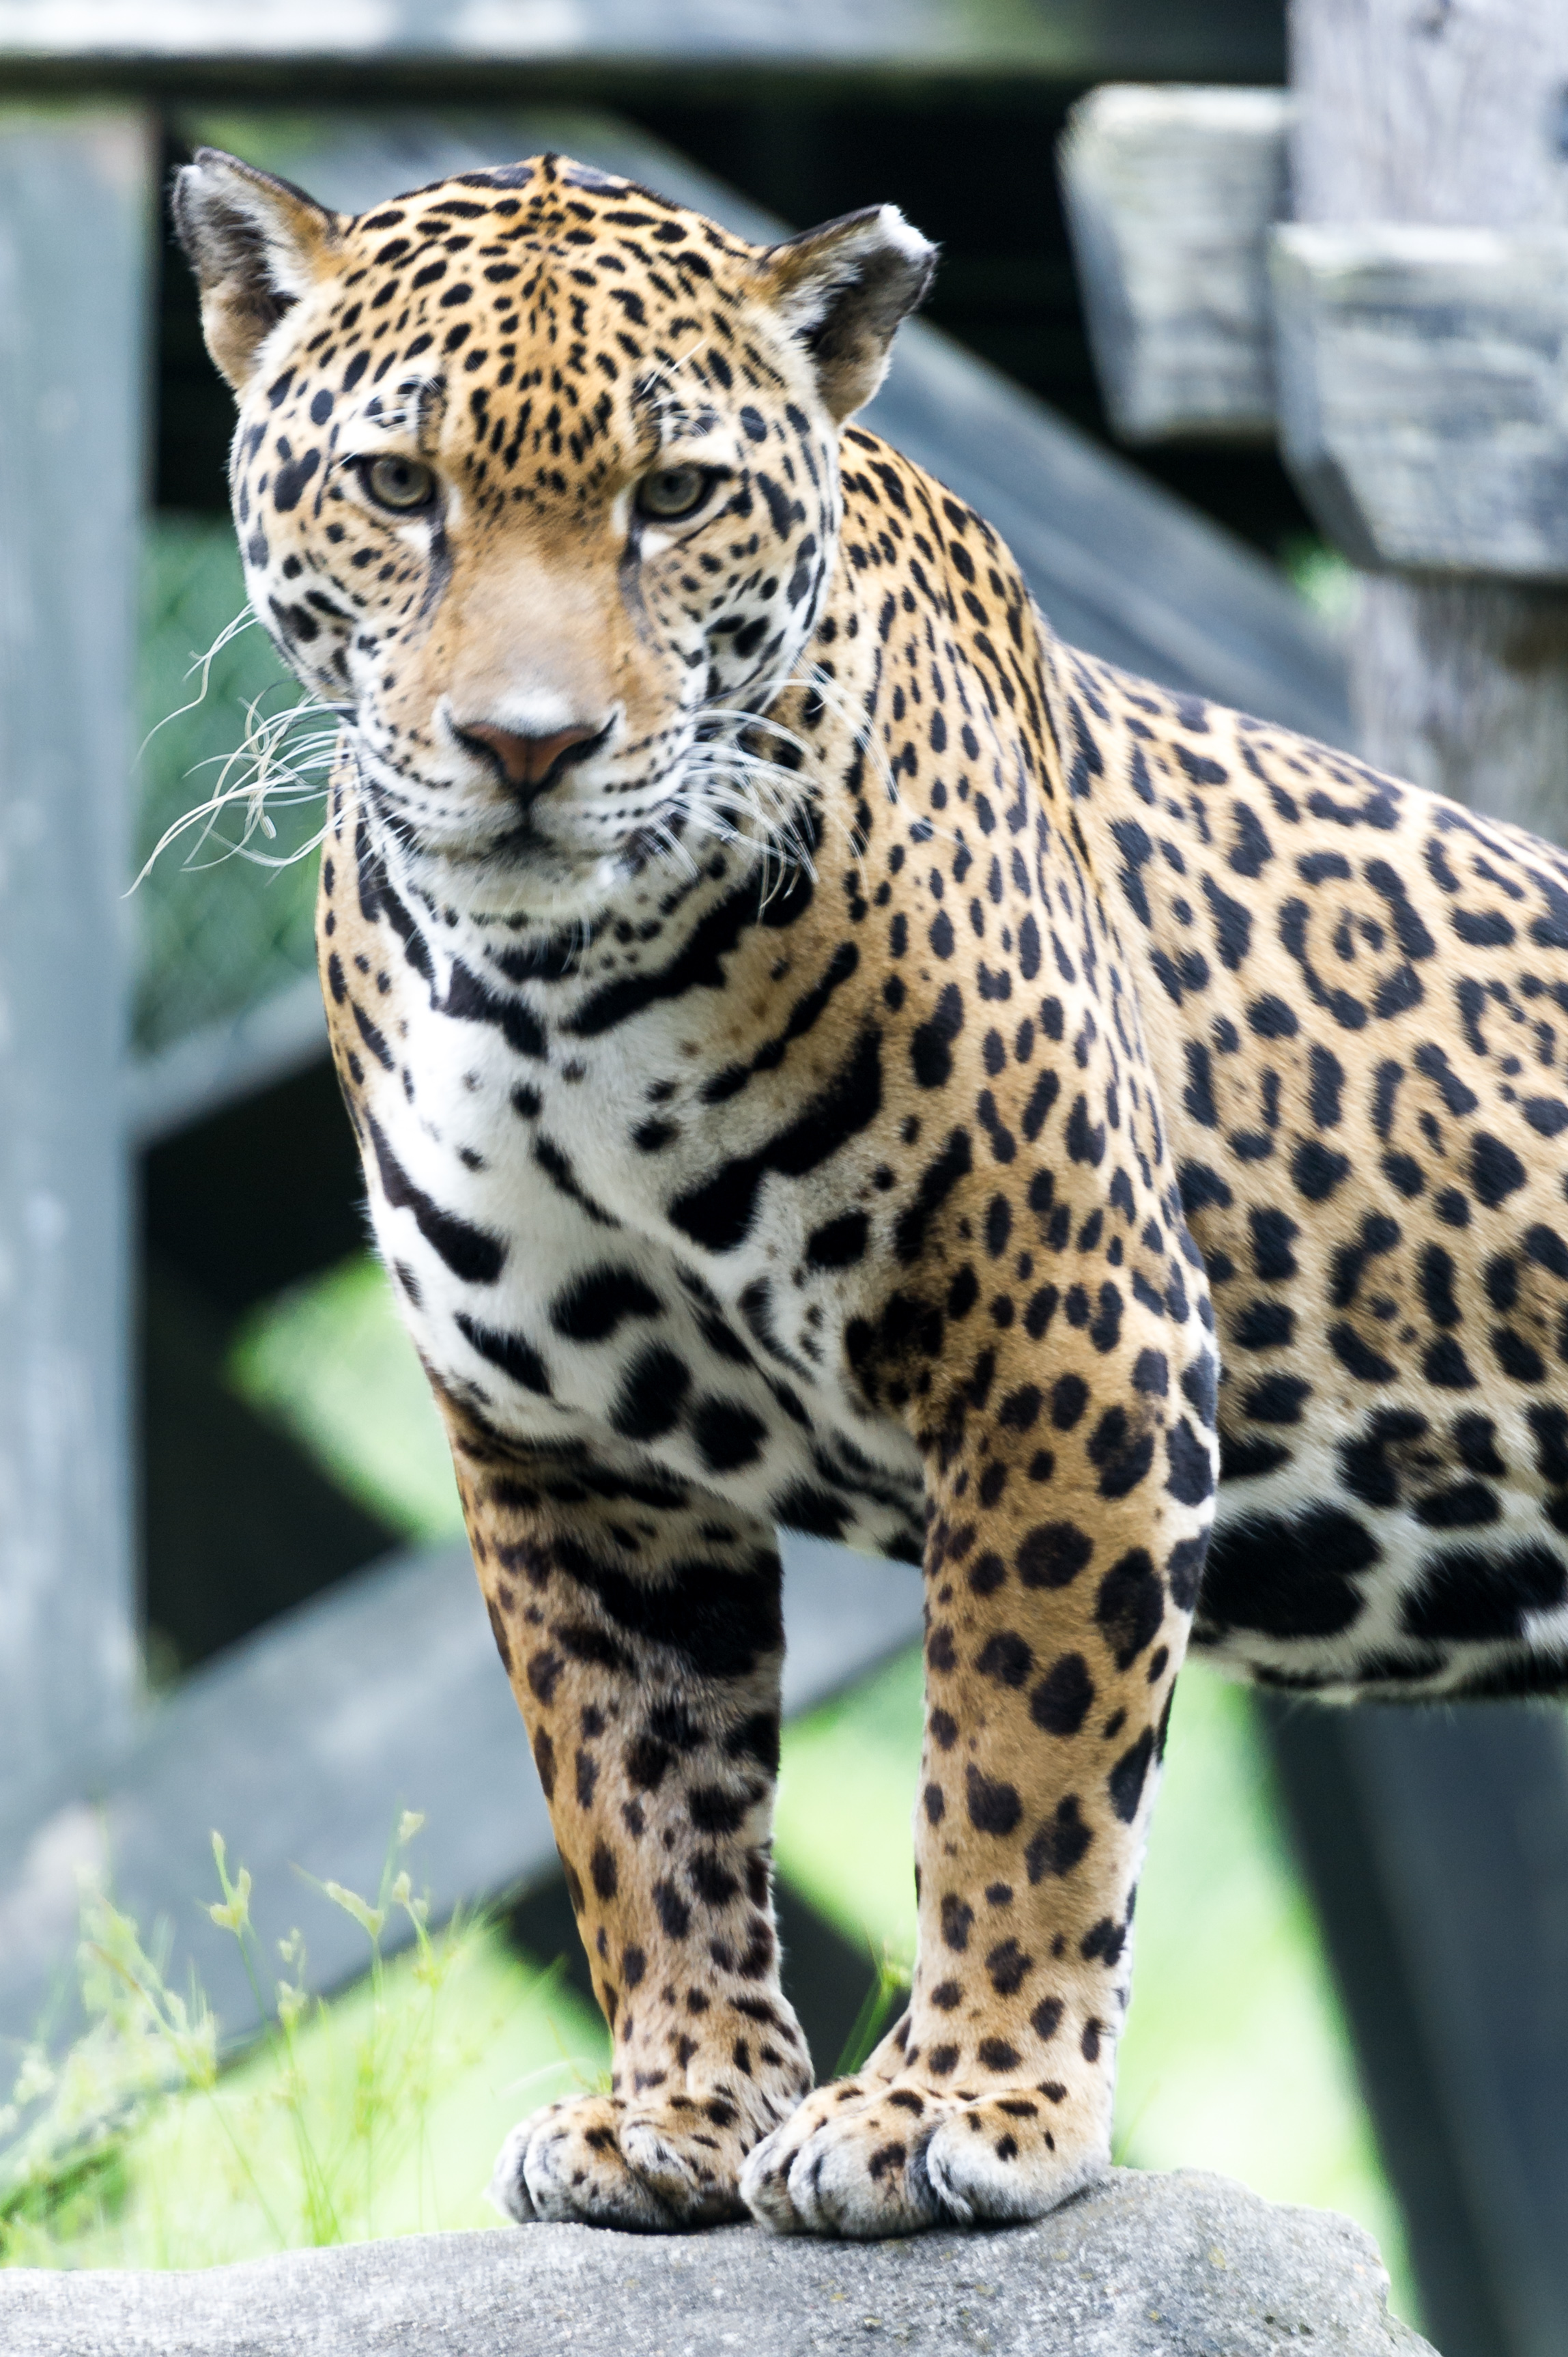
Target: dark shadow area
1330, 1813
263, 1193
238, 1522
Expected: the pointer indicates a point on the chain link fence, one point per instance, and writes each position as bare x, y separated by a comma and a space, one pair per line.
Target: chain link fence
215, 930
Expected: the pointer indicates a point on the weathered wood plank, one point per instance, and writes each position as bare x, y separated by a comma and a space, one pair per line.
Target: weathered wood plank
1449, 113
1333, 1809
1170, 198
1449, 117
1437, 1848
224, 1063
1470, 1817
76, 192
1070, 40
303, 1745
1421, 406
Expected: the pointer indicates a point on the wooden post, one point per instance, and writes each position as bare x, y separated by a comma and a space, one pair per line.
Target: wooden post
76, 195
1452, 112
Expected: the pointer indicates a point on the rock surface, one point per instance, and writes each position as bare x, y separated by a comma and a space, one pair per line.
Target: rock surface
1184, 2265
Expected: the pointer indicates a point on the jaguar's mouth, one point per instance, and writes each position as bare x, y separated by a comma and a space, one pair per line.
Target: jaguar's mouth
570, 850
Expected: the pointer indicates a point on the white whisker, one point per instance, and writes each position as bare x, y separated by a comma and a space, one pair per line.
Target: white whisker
265, 771
244, 620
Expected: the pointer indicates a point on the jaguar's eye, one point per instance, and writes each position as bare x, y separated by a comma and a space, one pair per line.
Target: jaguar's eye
400, 484
673, 491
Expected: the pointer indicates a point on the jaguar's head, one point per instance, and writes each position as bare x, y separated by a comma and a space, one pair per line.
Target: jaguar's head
536, 480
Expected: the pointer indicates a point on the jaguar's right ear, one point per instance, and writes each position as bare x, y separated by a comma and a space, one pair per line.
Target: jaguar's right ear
256, 245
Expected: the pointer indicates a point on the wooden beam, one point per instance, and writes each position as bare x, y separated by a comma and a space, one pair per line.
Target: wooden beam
1445, 117
1419, 371
1068, 41
1437, 1846
209, 1071
76, 199
1334, 1810
1442, 117
1412, 369
1170, 197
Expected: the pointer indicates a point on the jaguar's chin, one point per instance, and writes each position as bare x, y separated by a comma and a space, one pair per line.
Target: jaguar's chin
514, 874
515, 883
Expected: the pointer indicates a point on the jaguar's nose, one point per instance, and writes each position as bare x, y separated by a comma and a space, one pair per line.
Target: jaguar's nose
529, 764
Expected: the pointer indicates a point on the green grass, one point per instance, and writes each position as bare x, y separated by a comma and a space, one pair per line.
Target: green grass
378, 2113
215, 2177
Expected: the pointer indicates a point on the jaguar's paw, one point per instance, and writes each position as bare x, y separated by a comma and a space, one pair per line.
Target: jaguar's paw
599, 2161
864, 2160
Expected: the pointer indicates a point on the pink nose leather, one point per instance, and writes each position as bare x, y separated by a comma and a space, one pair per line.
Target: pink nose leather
527, 760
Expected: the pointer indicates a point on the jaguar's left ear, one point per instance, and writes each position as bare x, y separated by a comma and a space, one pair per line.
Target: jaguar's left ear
842, 291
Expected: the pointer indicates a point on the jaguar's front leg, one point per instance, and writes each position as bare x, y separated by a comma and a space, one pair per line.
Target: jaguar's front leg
1067, 1520
642, 1634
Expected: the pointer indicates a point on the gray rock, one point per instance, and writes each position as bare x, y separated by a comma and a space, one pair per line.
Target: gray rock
1184, 2266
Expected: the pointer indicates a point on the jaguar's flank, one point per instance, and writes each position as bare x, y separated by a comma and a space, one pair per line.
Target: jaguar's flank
826, 1054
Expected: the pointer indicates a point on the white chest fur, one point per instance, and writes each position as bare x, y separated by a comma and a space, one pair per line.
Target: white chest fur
526, 1191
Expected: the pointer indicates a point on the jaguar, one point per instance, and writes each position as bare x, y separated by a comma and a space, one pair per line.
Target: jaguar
827, 1055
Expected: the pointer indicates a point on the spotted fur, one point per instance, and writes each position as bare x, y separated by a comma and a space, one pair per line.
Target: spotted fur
826, 1054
